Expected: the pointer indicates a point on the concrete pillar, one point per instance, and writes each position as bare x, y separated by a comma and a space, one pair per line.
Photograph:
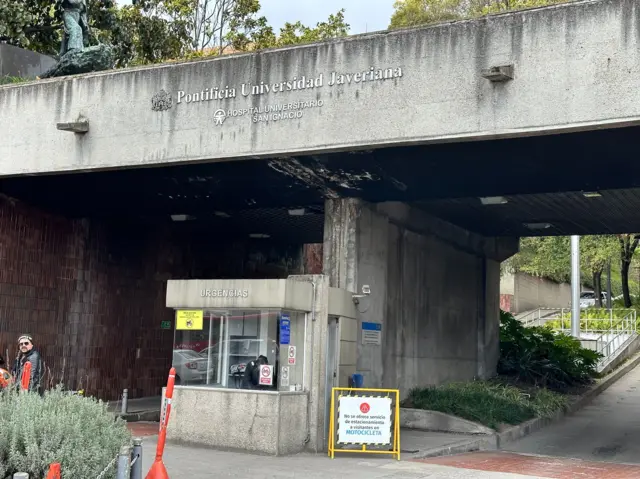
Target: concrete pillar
355, 255
435, 291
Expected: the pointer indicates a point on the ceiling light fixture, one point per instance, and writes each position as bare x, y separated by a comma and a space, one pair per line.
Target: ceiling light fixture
538, 226
182, 217
222, 214
591, 194
297, 212
493, 200
259, 235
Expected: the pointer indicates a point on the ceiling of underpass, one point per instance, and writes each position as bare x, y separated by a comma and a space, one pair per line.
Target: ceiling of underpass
543, 181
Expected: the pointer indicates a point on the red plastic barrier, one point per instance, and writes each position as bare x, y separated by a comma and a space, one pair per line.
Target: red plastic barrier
26, 377
54, 471
158, 471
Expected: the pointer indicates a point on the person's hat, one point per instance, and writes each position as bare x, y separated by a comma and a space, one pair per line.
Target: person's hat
27, 337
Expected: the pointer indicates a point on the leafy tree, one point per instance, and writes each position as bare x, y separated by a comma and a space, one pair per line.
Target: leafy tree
260, 35
408, 13
628, 244
549, 257
595, 254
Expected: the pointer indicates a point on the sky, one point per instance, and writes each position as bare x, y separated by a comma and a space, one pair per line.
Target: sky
362, 15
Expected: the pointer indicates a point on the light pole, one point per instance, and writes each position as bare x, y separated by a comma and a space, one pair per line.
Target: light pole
575, 286
609, 299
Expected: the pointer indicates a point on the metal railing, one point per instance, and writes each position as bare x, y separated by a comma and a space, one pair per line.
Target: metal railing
608, 334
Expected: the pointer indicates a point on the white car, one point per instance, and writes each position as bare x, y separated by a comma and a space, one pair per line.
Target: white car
588, 299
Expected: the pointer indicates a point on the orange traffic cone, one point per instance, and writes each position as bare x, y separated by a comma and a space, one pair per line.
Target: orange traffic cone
158, 471
54, 471
26, 377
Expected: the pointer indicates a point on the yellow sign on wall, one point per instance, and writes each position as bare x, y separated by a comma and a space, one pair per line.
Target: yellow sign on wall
189, 319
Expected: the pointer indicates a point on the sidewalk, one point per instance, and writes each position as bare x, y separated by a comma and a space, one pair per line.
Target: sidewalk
413, 444
194, 463
142, 409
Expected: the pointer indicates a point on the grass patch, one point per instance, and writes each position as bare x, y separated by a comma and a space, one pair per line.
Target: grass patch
8, 80
491, 403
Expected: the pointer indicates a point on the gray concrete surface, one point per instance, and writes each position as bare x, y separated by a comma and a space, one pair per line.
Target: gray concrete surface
192, 463
18, 62
577, 66
397, 251
437, 421
608, 429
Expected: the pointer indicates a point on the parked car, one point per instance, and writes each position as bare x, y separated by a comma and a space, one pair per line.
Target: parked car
588, 299
191, 368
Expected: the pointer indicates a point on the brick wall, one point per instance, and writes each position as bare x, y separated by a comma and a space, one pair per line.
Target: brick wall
91, 297
93, 293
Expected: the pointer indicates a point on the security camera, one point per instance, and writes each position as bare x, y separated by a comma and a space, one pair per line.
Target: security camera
366, 291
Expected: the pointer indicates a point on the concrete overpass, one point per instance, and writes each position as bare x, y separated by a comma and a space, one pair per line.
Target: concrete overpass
414, 173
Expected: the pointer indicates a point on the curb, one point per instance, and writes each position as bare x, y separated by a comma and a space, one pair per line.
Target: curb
498, 440
483, 443
141, 416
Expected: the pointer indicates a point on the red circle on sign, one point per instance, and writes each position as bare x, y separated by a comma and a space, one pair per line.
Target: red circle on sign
364, 408
265, 372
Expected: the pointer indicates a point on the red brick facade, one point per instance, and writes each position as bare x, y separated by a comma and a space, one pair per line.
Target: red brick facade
93, 295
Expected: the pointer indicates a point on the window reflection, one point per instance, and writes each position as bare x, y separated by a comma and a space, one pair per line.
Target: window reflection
233, 345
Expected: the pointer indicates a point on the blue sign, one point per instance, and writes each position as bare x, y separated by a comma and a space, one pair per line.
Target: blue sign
371, 326
285, 329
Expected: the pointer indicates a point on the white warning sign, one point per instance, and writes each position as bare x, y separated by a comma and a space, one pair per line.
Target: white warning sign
364, 420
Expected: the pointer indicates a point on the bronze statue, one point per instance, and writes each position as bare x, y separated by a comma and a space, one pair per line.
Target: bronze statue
76, 56
76, 25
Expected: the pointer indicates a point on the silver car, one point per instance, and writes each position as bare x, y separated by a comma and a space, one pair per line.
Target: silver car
190, 366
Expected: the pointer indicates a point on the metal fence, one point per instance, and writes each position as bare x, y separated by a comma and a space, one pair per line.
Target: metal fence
128, 463
609, 333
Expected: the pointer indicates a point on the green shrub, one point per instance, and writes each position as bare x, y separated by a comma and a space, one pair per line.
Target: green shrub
487, 402
75, 431
598, 319
543, 357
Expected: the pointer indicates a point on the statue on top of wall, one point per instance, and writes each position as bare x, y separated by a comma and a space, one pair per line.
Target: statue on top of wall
76, 56
76, 25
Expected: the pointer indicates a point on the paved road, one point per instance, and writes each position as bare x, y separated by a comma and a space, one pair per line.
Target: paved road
606, 430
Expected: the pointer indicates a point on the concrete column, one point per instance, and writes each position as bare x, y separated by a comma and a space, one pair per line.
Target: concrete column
339, 250
435, 291
355, 254
489, 319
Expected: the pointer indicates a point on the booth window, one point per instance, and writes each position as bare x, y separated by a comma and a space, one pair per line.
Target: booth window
222, 352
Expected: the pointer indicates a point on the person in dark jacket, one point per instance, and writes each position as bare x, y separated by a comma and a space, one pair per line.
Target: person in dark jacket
28, 354
251, 378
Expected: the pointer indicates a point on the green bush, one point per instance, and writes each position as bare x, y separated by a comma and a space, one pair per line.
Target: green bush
597, 319
77, 432
487, 402
543, 357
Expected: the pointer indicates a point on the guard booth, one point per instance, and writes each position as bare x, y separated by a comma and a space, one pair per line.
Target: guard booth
307, 332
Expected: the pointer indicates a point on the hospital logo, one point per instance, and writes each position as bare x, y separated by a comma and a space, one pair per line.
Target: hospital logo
218, 117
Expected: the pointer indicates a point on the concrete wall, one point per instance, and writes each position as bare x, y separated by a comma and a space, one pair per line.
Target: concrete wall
435, 295
577, 66
531, 292
18, 62
255, 421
